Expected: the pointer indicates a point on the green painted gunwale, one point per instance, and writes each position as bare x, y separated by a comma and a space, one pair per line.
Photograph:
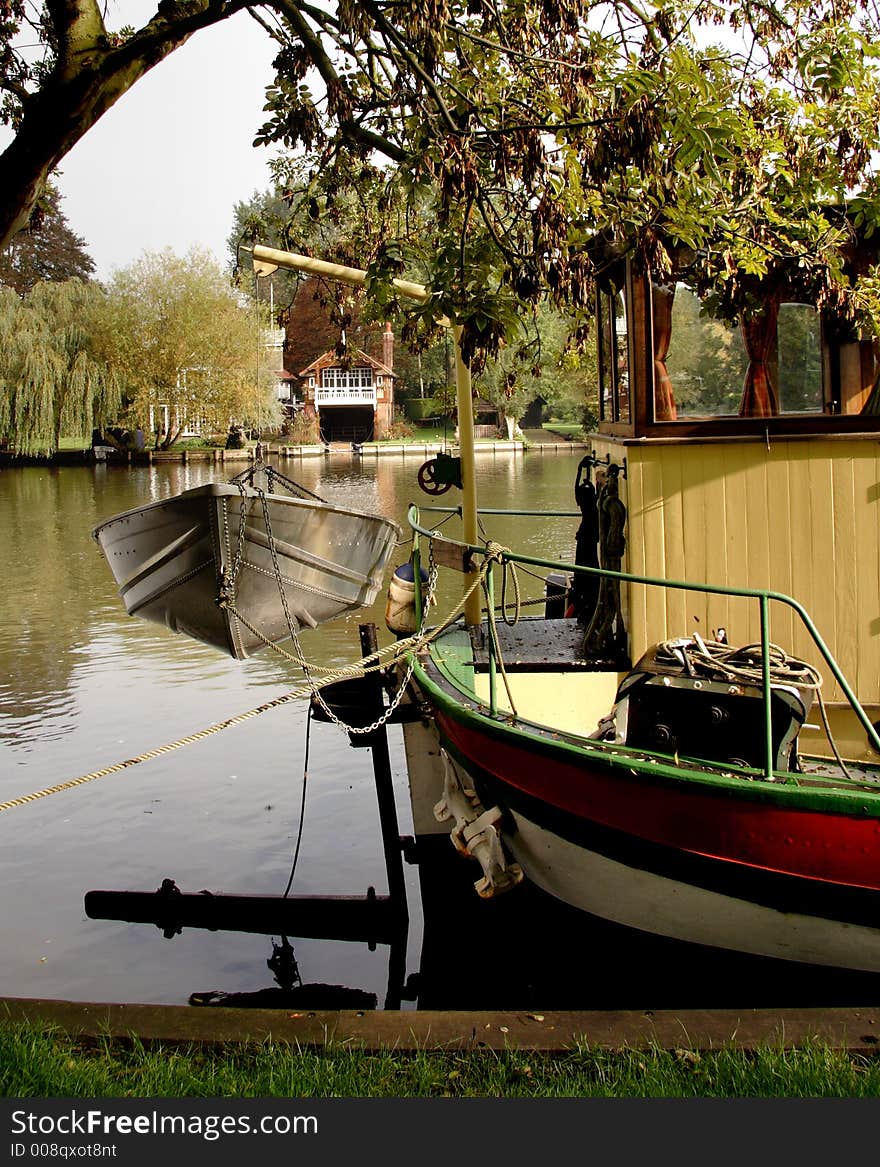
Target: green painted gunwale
449, 655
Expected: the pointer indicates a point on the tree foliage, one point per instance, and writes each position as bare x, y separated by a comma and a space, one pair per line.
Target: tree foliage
544, 367
540, 141
53, 379
518, 148
341, 224
46, 249
183, 338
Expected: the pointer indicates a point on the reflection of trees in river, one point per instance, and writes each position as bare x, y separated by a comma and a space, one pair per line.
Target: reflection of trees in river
47, 515
60, 612
59, 600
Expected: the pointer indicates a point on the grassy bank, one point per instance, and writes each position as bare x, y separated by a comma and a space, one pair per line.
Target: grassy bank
42, 1065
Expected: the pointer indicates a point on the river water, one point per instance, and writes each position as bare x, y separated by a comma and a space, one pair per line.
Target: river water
83, 686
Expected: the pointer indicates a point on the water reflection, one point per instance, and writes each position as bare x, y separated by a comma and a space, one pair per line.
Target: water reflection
522, 951
289, 990
82, 686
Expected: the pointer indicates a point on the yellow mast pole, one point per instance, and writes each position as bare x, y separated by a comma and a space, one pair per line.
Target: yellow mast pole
266, 259
465, 403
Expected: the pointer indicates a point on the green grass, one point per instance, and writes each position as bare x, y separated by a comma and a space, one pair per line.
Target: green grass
41, 1065
572, 429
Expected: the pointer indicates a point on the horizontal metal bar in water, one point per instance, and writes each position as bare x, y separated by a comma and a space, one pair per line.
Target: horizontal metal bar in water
369, 919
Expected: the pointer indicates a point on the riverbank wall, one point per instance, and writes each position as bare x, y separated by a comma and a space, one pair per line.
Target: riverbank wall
284, 453
847, 1028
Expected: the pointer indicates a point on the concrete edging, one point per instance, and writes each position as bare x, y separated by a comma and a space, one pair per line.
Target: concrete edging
856, 1030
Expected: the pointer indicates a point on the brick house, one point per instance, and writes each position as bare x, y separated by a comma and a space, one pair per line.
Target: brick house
351, 397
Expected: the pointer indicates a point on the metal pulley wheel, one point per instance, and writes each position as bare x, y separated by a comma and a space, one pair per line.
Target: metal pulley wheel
429, 481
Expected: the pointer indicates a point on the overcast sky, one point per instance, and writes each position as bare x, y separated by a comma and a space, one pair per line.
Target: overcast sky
166, 165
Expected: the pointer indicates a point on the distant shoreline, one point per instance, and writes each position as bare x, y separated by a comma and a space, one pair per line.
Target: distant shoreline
281, 452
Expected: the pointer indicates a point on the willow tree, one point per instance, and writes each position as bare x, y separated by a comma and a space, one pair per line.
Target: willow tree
187, 342
53, 382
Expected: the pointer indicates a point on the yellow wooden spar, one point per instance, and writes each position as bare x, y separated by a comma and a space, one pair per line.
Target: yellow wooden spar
268, 259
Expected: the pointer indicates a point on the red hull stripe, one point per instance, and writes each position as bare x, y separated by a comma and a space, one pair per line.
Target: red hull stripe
755, 885
833, 847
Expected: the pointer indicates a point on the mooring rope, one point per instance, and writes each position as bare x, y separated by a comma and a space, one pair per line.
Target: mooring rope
293, 695
385, 657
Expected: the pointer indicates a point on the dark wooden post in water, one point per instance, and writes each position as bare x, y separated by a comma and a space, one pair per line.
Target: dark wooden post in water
378, 742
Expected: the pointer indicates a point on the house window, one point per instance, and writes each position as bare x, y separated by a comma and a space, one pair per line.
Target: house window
358, 377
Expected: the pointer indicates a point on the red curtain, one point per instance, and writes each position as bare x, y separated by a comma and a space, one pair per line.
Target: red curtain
759, 397
871, 408
661, 315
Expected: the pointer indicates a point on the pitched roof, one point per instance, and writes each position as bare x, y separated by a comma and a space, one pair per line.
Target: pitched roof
358, 357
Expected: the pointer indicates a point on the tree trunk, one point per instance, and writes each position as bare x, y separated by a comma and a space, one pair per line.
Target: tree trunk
87, 80
512, 424
54, 121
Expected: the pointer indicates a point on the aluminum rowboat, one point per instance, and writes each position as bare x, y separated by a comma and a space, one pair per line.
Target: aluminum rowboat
177, 563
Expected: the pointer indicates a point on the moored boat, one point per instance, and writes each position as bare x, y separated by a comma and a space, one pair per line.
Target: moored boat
673, 797
240, 568
694, 795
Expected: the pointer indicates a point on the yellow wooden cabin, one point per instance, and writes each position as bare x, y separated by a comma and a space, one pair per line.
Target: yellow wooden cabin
752, 459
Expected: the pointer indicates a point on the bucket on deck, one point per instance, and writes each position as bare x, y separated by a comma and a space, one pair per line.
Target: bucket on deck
400, 610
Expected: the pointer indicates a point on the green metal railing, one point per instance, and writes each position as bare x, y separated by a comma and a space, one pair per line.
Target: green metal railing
762, 598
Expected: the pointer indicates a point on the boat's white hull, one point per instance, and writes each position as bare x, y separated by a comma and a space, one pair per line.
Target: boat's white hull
741, 874
665, 906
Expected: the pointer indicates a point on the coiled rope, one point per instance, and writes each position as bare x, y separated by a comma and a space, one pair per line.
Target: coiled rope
744, 665
385, 657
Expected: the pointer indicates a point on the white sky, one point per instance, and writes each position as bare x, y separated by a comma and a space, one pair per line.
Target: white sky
165, 166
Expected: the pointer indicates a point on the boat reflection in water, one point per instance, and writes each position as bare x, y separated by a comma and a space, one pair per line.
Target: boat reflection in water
525, 951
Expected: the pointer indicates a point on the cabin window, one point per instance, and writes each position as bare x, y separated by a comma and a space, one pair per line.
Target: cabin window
614, 398
799, 359
705, 360
767, 364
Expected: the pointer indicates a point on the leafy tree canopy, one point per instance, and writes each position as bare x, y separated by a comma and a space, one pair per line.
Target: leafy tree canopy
521, 147
46, 249
180, 336
542, 141
323, 223
341, 225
